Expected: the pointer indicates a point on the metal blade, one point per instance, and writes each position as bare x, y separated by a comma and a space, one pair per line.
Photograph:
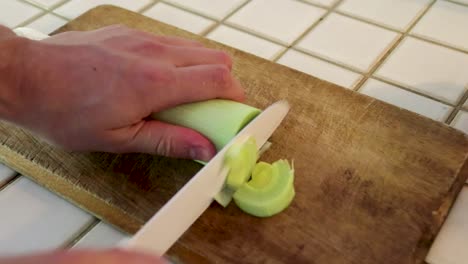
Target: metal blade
184, 208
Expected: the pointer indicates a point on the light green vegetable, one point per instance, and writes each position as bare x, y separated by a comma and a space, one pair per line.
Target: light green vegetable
217, 119
260, 189
270, 190
240, 159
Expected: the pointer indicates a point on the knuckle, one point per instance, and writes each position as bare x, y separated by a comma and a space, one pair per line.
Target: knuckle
152, 47
225, 58
164, 77
221, 76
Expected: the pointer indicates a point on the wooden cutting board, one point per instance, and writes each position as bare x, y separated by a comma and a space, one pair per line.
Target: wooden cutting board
374, 182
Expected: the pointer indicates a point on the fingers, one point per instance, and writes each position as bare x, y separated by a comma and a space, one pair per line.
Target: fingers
176, 41
165, 87
110, 256
155, 137
182, 57
203, 82
179, 56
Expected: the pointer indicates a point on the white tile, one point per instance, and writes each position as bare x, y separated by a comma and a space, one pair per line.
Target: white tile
101, 236
47, 24
5, 174
397, 14
428, 68
407, 100
47, 4
445, 22
245, 42
348, 41
319, 68
280, 20
451, 244
465, 2
13, 13
179, 18
461, 121
213, 9
34, 219
327, 3
75, 8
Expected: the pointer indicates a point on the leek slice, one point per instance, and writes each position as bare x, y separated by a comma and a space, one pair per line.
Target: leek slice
219, 120
240, 159
270, 190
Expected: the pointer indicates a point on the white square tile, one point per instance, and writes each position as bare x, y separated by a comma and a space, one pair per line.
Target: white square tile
450, 245
34, 219
407, 100
348, 41
75, 8
246, 42
445, 22
102, 235
280, 20
179, 18
47, 4
327, 3
47, 24
214, 9
5, 174
319, 68
427, 68
398, 14
13, 13
461, 121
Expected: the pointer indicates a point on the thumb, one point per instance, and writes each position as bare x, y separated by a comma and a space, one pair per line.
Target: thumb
164, 139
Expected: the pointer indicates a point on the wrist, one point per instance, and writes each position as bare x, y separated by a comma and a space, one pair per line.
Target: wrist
12, 55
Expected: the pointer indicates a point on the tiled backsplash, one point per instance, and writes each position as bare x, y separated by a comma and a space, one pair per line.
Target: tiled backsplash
410, 53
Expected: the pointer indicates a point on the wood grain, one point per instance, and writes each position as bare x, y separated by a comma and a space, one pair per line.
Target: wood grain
374, 182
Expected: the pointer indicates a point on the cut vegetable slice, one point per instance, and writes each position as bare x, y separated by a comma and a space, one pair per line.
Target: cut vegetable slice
264, 197
217, 119
240, 158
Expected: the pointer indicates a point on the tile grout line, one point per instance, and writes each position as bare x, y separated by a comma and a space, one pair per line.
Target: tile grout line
221, 22
402, 87
10, 181
81, 233
318, 5
458, 107
188, 10
317, 56
381, 25
390, 49
436, 42
308, 30
458, 3
44, 13
336, 63
147, 6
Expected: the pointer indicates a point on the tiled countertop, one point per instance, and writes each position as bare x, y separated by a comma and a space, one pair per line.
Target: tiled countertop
410, 53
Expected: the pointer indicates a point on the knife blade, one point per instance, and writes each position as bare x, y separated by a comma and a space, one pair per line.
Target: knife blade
184, 208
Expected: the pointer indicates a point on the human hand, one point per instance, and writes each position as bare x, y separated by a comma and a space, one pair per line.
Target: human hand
94, 91
110, 256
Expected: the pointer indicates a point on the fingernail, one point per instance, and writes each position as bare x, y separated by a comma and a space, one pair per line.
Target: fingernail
200, 153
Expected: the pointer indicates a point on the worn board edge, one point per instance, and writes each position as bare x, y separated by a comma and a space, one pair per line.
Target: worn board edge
440, 216
116, 217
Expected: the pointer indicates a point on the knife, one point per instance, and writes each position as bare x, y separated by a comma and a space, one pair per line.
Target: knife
184, 208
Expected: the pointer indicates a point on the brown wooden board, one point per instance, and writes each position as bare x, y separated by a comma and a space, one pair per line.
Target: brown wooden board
373, 184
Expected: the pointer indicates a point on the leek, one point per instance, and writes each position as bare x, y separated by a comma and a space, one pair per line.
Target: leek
219, 120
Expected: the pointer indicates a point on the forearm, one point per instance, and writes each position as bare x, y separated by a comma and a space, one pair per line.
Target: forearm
11, 65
